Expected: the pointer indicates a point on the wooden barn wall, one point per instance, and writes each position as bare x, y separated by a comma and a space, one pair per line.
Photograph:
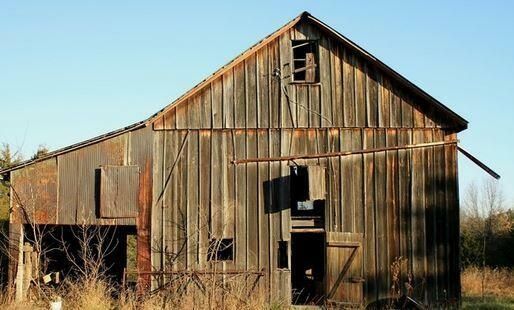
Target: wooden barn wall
405, 202
351, 93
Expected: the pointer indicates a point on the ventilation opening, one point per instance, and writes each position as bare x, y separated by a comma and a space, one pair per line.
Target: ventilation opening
283, 260
221, 250
305, 60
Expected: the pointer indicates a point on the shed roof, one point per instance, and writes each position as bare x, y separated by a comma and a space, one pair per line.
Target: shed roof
459, 122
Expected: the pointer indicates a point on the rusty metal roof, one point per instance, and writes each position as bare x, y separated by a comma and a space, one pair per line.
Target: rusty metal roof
460, 123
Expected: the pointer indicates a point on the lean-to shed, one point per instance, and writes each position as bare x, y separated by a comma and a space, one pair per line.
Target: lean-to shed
305, 162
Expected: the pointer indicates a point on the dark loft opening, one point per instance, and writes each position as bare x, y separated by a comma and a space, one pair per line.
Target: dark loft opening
305, 60
307, 268
221, 249
304, 202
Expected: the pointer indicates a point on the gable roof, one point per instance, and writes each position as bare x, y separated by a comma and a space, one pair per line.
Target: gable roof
460, 123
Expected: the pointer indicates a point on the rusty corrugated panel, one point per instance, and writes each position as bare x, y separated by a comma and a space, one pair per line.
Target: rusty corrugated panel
68, 187
35, 193
119, 191
79, 179
108, 152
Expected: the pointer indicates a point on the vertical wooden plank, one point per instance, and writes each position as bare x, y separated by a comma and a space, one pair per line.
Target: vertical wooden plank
156, 232
182, 115
336, 76
349, 89
193, 182
263, 87
205, 195
170, 119
347, 183
228, 199
171, 225
370, 215
239, 96
358, 182
263, 211
274, 208
418, 216
334, 180
206, 107
393, 225
418, 117
216, 194
452, 209
194, 114
251, 92
396, 109
384, 102
302, 105
360, 93
275, 84
404, 202
382, 250
217, 103
284, 190
325, 81
440, 215
287, 109
252, 216
228, 99
407, 116
241, 190
372, 97
314, 106
430, 218
182, 198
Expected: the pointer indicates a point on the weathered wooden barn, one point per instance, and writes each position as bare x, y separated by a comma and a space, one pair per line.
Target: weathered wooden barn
314, 165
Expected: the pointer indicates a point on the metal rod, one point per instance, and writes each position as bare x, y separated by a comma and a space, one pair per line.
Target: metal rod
479, 163
234, 272
345, 153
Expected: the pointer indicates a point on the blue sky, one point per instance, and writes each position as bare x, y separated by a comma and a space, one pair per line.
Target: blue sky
69, 72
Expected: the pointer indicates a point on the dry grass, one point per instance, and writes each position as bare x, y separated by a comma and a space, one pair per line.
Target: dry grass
498, 282
98, 295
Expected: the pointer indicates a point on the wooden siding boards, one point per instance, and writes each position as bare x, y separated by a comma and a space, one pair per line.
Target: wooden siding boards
259, 93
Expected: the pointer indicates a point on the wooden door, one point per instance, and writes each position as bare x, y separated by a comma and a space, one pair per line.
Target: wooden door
344, 269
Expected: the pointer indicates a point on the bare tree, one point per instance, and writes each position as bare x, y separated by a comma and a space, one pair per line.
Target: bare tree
483, 216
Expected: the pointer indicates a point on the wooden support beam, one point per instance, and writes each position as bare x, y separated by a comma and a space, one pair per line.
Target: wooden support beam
479, 163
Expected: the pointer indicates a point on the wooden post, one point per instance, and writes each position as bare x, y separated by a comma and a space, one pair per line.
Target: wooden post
13, 253
19, 271
27, 267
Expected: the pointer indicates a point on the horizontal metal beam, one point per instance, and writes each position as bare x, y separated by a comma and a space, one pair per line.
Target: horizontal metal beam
345, 153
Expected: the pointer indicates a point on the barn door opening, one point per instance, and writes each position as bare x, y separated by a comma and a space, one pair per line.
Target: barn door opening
307, 267
344, 282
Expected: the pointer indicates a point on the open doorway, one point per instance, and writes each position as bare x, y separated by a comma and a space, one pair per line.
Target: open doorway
307, 267
70, 251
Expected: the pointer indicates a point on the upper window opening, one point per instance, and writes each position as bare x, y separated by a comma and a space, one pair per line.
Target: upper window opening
221, 249
305, 61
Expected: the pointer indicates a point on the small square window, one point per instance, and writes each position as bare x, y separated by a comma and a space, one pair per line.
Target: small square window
221, 249
305, 60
